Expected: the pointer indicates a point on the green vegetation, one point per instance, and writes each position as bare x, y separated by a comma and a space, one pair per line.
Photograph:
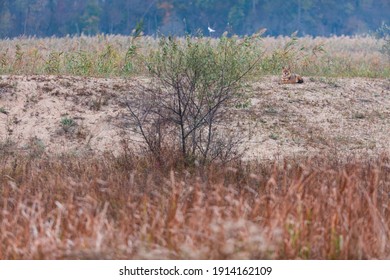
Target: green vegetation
3, 111
67, 123
105, 56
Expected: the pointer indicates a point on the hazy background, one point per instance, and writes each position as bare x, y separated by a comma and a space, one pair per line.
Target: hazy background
280, 17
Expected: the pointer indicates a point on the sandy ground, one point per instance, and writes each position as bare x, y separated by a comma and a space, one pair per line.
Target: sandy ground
323, 115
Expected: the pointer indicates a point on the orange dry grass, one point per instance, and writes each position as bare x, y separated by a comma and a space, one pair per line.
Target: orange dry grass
107, 208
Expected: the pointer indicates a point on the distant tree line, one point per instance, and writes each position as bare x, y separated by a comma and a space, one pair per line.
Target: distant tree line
280, 17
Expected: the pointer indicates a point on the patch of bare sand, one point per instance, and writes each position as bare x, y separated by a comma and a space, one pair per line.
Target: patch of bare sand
323, 115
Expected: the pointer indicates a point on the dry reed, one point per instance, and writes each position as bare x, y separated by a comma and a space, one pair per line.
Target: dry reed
113, 55
125, 208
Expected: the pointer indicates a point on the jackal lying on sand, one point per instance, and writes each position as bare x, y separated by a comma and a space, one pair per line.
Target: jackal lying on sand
290, 78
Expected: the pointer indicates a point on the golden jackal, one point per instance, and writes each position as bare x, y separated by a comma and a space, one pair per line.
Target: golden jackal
290, 78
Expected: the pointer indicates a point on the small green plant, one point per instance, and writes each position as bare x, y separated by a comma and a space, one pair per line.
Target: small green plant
128, 66
3, 111
67, 123
359, 115
274, 136
18, 56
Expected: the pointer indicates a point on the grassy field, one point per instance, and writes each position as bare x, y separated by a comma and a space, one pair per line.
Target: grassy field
114, 208
110, 56
313, 181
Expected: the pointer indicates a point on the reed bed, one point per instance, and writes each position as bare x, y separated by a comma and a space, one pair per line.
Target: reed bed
113, 55
129, 208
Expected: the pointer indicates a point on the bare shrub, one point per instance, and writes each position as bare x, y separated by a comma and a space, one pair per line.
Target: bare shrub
193, 84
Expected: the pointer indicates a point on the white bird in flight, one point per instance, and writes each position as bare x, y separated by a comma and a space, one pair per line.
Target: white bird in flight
210, 29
